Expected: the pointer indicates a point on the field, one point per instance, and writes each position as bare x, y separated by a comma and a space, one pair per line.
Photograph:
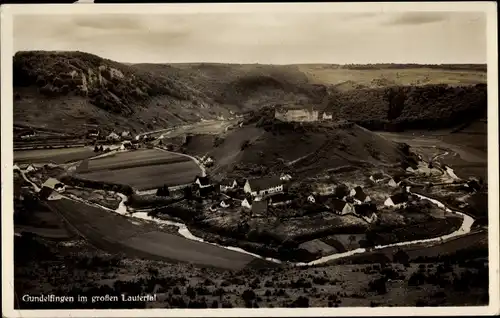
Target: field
117, 233
142, 169
57, 156
348, 79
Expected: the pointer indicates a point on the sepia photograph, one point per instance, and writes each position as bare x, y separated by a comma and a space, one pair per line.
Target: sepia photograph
249, 159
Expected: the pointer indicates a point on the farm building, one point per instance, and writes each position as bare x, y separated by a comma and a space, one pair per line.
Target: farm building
259, 208
16, 167
202, 182
397, 200
247, 203
280, 199
359, 195
296, 114
227, 184
340, 207
225, 203
263, 186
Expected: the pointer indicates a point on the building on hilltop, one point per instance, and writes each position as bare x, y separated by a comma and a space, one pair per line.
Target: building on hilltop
263, 186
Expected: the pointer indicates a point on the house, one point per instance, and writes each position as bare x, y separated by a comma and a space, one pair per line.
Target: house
323, 188
202, 182
340, 207
226, 185
359, 195
247, 203
213, 208
113, 136
311, 199
366, 211
16, 167
327, 116
280, 199
259, 208
285, 177
263, 186
47, 193
397, 199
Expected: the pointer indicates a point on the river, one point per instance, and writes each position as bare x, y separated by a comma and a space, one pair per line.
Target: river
184, 231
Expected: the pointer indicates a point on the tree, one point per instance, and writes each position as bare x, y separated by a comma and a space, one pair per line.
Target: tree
96, 148
352, 239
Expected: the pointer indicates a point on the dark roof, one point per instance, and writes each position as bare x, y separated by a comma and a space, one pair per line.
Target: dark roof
280, 197
365, 209
336, 204
259, 206
264, 183
360, 194
203, 180
399, 198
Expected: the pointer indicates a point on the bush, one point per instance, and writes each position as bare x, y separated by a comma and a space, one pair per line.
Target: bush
300, 302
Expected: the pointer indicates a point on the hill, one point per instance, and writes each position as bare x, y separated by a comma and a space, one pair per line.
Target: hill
68, 90
265, 145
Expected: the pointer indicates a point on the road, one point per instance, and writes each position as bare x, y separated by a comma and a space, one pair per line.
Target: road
117, 233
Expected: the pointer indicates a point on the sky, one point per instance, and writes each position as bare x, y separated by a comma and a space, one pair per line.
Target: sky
262, 37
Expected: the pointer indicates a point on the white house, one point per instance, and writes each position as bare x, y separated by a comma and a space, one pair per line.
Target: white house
202, 182
16, 167
311, 199
263, 186
246, 203
226, 185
